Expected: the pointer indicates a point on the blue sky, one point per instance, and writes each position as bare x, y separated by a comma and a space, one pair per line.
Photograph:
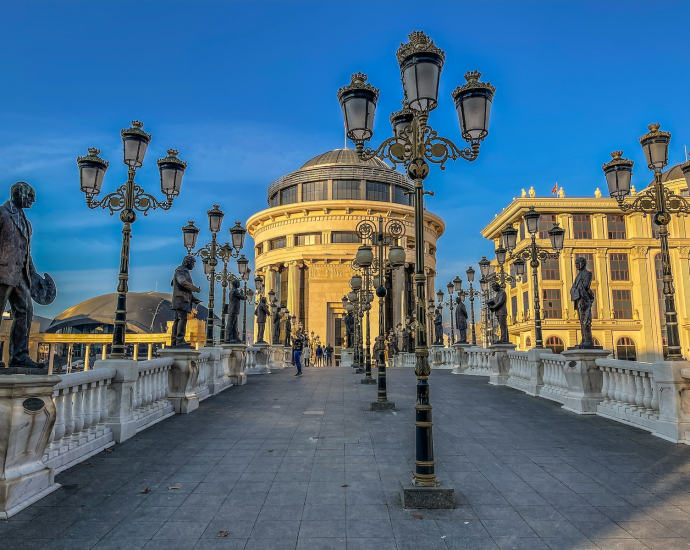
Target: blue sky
247, 92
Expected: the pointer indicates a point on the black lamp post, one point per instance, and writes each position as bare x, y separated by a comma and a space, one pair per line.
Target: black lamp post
211, 253
660, 202
224, 278
414, 145
245, 273
535, 254
129, 199
471, 294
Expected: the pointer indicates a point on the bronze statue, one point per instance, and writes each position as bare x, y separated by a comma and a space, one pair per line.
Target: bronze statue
261, 312
498, 306
276, 327
183, 300
19, 281
350, 329
461, 319
288, 331
232, 335
405, 340
438, 326
583, 296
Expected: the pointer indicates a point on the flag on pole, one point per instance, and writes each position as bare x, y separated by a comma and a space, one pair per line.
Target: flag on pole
555, 188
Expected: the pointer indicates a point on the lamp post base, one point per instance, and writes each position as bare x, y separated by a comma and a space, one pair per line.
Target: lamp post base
359, 370
368, 381
428, 498
385, 406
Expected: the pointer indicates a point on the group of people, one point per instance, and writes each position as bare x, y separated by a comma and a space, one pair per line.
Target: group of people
302, 353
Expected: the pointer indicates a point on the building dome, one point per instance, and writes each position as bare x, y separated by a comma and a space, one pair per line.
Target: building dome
338, 165
342, 156
147, 312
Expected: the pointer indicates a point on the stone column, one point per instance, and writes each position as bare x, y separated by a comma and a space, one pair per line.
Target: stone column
536, 370
121, 397
262, 351
51, 358
237, 363
293, 285
182, 379
27, 416
644, 301
149, 355
584, 380
602, 275
460, 357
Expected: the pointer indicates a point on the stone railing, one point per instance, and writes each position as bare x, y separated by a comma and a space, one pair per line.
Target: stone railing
404, 359
81, 410
206, 368
151, 392
478, 362
441, 358
555, 385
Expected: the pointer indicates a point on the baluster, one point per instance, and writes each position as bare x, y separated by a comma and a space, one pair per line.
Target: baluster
147, 390
647, 400
631, 391
137, 396
605, 385
639, 392
78, 414
655, 398
103, 402
69, 422
625, 387
88, 406
95, 406
59, 428
617, 393
612, 385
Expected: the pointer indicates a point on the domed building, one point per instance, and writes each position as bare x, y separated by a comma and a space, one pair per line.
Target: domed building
306, 240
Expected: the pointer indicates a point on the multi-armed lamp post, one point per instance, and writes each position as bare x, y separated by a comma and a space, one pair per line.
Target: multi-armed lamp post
245, 273
211, 253
471, 294
354, 297
127, 200
382, 237
535, 254
455, 284
660, 202
362, 285
415, 144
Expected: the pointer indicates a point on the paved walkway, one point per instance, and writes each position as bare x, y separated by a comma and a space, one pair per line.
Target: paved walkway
299, 463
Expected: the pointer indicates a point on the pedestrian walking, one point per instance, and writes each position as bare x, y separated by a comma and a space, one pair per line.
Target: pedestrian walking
297, 347
319, 356
329, 355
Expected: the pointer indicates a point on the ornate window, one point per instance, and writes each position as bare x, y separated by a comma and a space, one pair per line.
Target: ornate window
595, 312
552, 303
345, 237
274, 201
346, 190
514, 309
399, 196
259, 249
307, 238
314, 191
616, 226
378, 191
619, 266
625, 349
525, 303
590, 262
513, 282
521, 223
280, 242
555, 344
622, 304
288, 195
550, 270
528, 342
545, 223
582, 226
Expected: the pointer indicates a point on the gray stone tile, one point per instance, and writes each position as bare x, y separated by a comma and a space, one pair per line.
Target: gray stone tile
322, 529
555, 528
368, 511
220, 543
508, 528
174, 530
142, 530
647, 529
321, 544
279, 530
369, 528
324, 512
168, 544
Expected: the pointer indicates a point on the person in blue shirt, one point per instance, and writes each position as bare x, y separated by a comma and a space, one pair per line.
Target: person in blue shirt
297, 347
319, 356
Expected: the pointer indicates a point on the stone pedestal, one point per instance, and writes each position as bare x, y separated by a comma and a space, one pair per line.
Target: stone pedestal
287, 357
183, 377
536, 370
386, 406
236, 363
584, 380
275, 358
673, 390
346, 357
220, 371
460, 357
120, 398
500, 364
435, 356
260, 365
426, 498
27, 416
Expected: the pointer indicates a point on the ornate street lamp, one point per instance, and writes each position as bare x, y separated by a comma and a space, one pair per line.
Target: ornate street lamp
245, 274
660, 202
415, 145
210, 254
471, 294
535, 254
382, 237
128, 200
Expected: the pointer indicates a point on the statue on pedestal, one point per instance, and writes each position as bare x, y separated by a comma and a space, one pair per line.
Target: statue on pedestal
350, 329
19, 281
405, 340
183, 300
500, 309
232, 335
288, 331
276, 327
461, 319
261, 312
438, 326
583, 296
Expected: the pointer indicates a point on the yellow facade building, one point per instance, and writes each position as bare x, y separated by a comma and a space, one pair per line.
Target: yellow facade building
623, 254
306, 240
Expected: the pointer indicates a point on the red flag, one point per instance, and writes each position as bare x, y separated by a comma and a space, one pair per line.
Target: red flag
555, 188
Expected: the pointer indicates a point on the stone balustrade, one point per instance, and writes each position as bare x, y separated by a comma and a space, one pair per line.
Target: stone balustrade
478, 362
441, 357
69, 418
555, 385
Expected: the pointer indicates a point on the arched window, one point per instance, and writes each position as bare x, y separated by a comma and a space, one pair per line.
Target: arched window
625, 349
555, 344
595, 341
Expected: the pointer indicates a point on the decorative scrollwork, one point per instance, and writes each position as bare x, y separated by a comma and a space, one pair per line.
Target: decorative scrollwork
365, 230
439, 149
647, 202
117, 201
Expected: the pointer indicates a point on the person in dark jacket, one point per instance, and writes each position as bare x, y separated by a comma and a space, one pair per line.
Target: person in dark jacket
329, 355
297, 347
